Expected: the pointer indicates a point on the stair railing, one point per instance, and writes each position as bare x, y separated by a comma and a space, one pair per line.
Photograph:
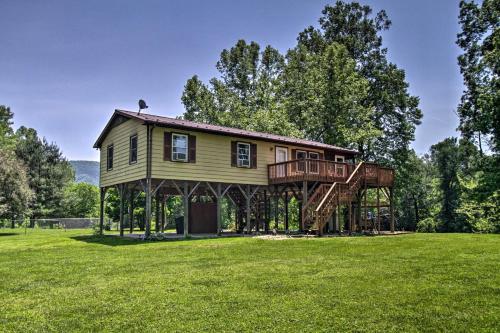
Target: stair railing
325, 208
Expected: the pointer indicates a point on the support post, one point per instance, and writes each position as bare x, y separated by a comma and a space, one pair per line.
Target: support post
101, 213
266, 212
276, 210
366, 210
121, 189
147, 231
131, 210
162, 224
157, 211
286, 211
304, 200
349, 207
186, 208
219, 208
378, 208
248, 201
337, 220
391, 207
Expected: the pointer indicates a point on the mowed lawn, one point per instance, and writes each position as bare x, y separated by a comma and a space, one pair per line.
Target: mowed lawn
52, 280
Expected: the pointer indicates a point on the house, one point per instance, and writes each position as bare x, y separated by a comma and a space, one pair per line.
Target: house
162, 156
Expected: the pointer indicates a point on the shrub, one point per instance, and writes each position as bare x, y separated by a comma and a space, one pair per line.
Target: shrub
427, 225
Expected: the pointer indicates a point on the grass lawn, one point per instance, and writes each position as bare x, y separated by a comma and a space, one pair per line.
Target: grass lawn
59, 281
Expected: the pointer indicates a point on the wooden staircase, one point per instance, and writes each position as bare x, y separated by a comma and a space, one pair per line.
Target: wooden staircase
322, 203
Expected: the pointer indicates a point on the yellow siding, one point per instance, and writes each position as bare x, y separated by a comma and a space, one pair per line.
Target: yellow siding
122, 171
213, 160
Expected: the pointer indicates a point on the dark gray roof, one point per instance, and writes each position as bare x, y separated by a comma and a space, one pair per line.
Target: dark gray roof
191, 125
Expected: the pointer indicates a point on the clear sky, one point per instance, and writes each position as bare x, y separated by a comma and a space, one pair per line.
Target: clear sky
66, 65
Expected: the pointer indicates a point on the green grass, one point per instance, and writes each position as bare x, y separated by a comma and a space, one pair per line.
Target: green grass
59, 281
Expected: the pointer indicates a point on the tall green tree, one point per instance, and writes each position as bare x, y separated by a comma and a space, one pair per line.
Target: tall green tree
395, 111
324, 97
48, 171
245, 95
480, 66
7, 138
15, 194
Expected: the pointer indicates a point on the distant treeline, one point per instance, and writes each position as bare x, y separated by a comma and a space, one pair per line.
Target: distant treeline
36, 181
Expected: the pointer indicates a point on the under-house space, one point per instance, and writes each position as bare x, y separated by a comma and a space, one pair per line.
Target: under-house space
232, 181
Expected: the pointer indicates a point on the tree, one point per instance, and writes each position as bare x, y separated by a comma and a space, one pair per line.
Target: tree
480, 67
324, 94
246, 95
7, 138
80, 200
48, 171
15, 194
416, 194
395, 111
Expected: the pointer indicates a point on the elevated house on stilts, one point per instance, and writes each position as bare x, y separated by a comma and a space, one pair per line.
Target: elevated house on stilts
162, 157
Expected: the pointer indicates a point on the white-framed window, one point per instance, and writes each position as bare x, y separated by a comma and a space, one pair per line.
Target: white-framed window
301, 155
313, 165
109, 157
243, 154
313, 155
179, 147
339, 158
133, 149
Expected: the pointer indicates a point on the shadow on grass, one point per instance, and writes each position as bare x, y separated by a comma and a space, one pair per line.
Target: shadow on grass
8, 234
112, 240
108, 240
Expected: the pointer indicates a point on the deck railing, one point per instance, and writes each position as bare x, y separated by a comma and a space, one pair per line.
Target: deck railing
325, 171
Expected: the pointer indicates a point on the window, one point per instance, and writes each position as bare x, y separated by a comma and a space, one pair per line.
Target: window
109, 161
301, 165
313, 156
179, 147
339, 158
313, 165
133, 149
243, 154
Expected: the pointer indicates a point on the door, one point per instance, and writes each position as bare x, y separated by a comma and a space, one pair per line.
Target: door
281, 156
314, 166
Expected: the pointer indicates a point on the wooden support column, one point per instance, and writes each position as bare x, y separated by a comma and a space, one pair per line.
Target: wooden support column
121, 190
391, 208
131, 210
186, 208
147, 190
276, 210
157, 211
162, 223
378, 209
349, 207
304, 200
248, 202
358, 210
286, 211
266, 212
337, 219
101, 213
366, 210
219, 208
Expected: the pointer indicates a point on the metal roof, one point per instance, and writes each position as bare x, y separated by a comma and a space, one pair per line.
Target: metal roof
191, 125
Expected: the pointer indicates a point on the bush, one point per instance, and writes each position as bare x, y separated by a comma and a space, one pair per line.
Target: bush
427, 225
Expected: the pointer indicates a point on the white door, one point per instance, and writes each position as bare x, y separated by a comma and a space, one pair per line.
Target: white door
281, 156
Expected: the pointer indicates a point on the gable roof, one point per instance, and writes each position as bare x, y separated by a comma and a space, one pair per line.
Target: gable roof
201, 127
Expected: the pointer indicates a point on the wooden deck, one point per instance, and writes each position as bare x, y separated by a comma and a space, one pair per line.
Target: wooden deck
327, 171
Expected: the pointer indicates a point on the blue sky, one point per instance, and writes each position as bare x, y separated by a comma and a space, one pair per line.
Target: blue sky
66, 65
